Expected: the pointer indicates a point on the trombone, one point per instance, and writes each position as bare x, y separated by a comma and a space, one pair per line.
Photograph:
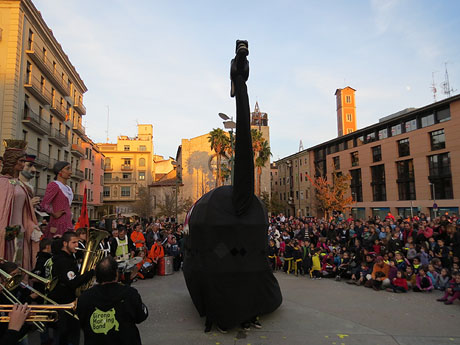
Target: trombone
38, 313
12, 282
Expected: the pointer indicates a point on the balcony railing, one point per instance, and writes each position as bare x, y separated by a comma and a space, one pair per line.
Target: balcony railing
58, 138
35, 87
46, 66
78, 174
40, 158
118, 179
77, 150
79, 129
34, 121
126, 167
58, 110
78, 106
78, 198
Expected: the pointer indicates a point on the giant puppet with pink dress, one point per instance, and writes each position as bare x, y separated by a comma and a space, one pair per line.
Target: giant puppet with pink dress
19, 231
57, 200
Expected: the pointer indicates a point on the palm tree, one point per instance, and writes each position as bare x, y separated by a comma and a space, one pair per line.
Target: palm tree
219, 143
261, 160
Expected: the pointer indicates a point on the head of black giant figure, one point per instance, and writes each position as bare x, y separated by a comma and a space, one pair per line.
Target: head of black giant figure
225, 263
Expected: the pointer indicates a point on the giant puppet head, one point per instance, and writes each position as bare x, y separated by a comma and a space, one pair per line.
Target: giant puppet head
225, 264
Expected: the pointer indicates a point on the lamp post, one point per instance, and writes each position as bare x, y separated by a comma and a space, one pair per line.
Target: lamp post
435, 207
229, 124
174, 164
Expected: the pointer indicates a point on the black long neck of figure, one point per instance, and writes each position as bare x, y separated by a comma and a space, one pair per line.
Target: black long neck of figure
243, 185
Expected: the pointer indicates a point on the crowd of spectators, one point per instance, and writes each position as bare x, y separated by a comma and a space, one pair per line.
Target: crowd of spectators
398, 255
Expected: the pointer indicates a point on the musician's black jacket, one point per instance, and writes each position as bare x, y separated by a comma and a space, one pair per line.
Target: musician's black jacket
109, 313
65, 269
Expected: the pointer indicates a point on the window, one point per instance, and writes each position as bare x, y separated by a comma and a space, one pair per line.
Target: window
403, 147
383, 133
438, 140
348, 99
127, 161
370, 137
356, 185
395, 130
142, 148
29, 73
126, 176
107, 176
354, 159
378, 182
142, 175
349, 130
106, 191
142, 162
411, 125
406, 180
126, 148
336, 161
31, 40
440, 176
443, 115
427, 120
376, 153
24, 135
349, 118
125, 191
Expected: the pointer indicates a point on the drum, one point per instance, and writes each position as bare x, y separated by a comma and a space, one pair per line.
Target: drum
165, 266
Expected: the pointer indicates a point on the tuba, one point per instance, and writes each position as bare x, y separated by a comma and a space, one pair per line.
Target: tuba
92, 254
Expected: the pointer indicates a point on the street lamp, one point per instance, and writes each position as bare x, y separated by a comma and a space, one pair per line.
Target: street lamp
174, 164
229, 124
435, 208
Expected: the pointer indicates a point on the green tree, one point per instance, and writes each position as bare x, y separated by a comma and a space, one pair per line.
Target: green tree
219, 144
276, 207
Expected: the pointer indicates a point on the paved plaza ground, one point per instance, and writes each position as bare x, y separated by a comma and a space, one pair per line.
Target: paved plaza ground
313, 312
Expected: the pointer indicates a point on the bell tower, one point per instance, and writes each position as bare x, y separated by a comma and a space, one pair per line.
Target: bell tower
346, 111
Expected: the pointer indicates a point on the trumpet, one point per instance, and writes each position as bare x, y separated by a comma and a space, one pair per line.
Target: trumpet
38, 313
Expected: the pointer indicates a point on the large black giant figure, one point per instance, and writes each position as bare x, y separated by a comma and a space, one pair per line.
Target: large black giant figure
225, 264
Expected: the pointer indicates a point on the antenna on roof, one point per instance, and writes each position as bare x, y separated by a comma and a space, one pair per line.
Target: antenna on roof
447, 90
433, 86
107, 131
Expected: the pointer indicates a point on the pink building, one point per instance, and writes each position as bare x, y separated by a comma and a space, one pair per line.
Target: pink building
92, 165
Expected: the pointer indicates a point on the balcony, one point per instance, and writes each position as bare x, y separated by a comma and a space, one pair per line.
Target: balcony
35, 87
77, 150
126, 167
79, 107
41, 159
79, 129
58, 110
108, 167
58, 138
77, 198
35, 122
78, 175
46, 66
119, 180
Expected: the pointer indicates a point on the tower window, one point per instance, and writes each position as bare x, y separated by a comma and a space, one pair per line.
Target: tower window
349, 117
348, 99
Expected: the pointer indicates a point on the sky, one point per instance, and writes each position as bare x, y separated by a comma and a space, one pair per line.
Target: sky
167, 62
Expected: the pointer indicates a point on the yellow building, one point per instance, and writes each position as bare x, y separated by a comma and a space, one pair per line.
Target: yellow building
196, 166
128, 166
41, 94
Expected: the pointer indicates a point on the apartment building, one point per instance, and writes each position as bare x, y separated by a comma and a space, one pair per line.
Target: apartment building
128, 165
41, 97
406, 163
291, 186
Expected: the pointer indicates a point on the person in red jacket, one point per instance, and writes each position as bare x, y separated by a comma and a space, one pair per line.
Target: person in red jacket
399, 283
